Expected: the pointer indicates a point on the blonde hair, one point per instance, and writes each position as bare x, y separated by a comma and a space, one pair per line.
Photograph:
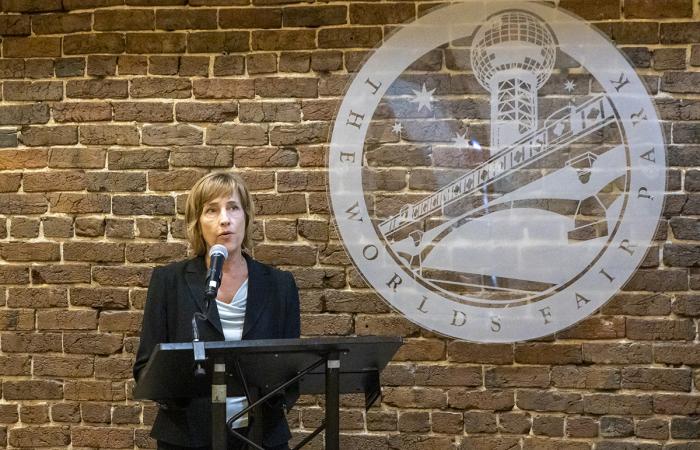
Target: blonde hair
209, 187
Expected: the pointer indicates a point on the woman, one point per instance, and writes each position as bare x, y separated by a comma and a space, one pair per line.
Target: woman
254, 301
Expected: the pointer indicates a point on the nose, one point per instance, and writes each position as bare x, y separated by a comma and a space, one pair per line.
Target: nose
223, 217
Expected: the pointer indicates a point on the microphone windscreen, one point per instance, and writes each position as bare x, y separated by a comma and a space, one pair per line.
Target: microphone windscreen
218, 249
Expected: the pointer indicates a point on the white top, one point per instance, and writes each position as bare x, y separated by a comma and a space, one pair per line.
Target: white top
232, 316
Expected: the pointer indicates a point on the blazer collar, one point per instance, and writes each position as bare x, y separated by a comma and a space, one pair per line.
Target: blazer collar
258, 291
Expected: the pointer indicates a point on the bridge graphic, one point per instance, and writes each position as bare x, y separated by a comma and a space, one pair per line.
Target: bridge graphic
512, 57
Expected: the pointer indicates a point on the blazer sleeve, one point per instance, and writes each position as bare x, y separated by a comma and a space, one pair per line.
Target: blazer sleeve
292, 328
154, 327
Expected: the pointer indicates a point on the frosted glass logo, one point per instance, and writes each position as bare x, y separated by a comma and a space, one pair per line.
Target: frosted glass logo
497, 170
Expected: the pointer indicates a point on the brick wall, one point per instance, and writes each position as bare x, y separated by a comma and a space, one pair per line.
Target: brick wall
109, 114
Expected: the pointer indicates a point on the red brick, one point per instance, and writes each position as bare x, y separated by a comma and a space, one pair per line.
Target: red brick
60, 273
381, 14
93, 251
10, 182
191, 66
37, 297
138, 159
143, 111
26, 47
94, 391
680, 33
66, 320
661, 329
36, 136
92, 343
415, 397
181, 134
384, 325
15, 25
32, 90
306, 133
97, 89
160, 88
283, 40
218, 42
79, 203
54, 181
29, 342
224, 88
521, 376
81, 112
292, 87
100, 298
83, 158
349, 37
32, 390
13, 365
613, 353
24, 251
206, 112
126, 321
141, 43
124, 19
440, 375
116, 369
65, 412
102, 65
229, 65
314, 16
144, 204
593, 10
40, 436
623, 404
91, 43
546, 401
250, 18
326, 324
89, 226
421, 350
156, 252
61, 23
23, 203
62, 366
182, 19
656, 379
585, 377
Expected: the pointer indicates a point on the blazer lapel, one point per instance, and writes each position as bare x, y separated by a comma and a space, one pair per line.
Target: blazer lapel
258, 292
195, 277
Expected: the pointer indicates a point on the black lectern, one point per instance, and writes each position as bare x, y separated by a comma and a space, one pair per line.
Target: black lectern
261, 369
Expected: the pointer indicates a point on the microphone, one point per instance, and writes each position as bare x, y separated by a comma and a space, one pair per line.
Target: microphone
217, 256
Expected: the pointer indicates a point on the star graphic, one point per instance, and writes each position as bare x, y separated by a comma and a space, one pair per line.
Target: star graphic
397, 128
460, 140
424, 98
569, 85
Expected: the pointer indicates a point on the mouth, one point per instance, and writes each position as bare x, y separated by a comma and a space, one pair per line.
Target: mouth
225, 233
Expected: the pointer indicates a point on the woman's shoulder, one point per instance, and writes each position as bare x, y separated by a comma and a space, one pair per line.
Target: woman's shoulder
177, 268
275, 272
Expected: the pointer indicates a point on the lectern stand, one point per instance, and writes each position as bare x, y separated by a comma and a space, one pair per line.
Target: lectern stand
264, 368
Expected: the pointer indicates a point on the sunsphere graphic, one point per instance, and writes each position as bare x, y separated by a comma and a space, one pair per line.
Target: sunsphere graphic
513, 56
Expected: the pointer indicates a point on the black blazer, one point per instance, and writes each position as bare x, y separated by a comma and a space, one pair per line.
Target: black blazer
175, 292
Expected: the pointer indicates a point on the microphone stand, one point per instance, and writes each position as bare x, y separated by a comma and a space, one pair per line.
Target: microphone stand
197, 345
217, 255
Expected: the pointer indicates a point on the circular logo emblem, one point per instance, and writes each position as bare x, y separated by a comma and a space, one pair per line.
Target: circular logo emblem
497, 170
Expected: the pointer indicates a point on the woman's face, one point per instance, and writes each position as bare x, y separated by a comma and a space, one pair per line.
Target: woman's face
223, 222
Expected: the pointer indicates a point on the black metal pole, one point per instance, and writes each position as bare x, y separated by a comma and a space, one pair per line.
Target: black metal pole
332, 401
218, 406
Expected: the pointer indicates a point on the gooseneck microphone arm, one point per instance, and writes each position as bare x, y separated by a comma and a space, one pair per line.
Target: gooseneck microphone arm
217, 256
